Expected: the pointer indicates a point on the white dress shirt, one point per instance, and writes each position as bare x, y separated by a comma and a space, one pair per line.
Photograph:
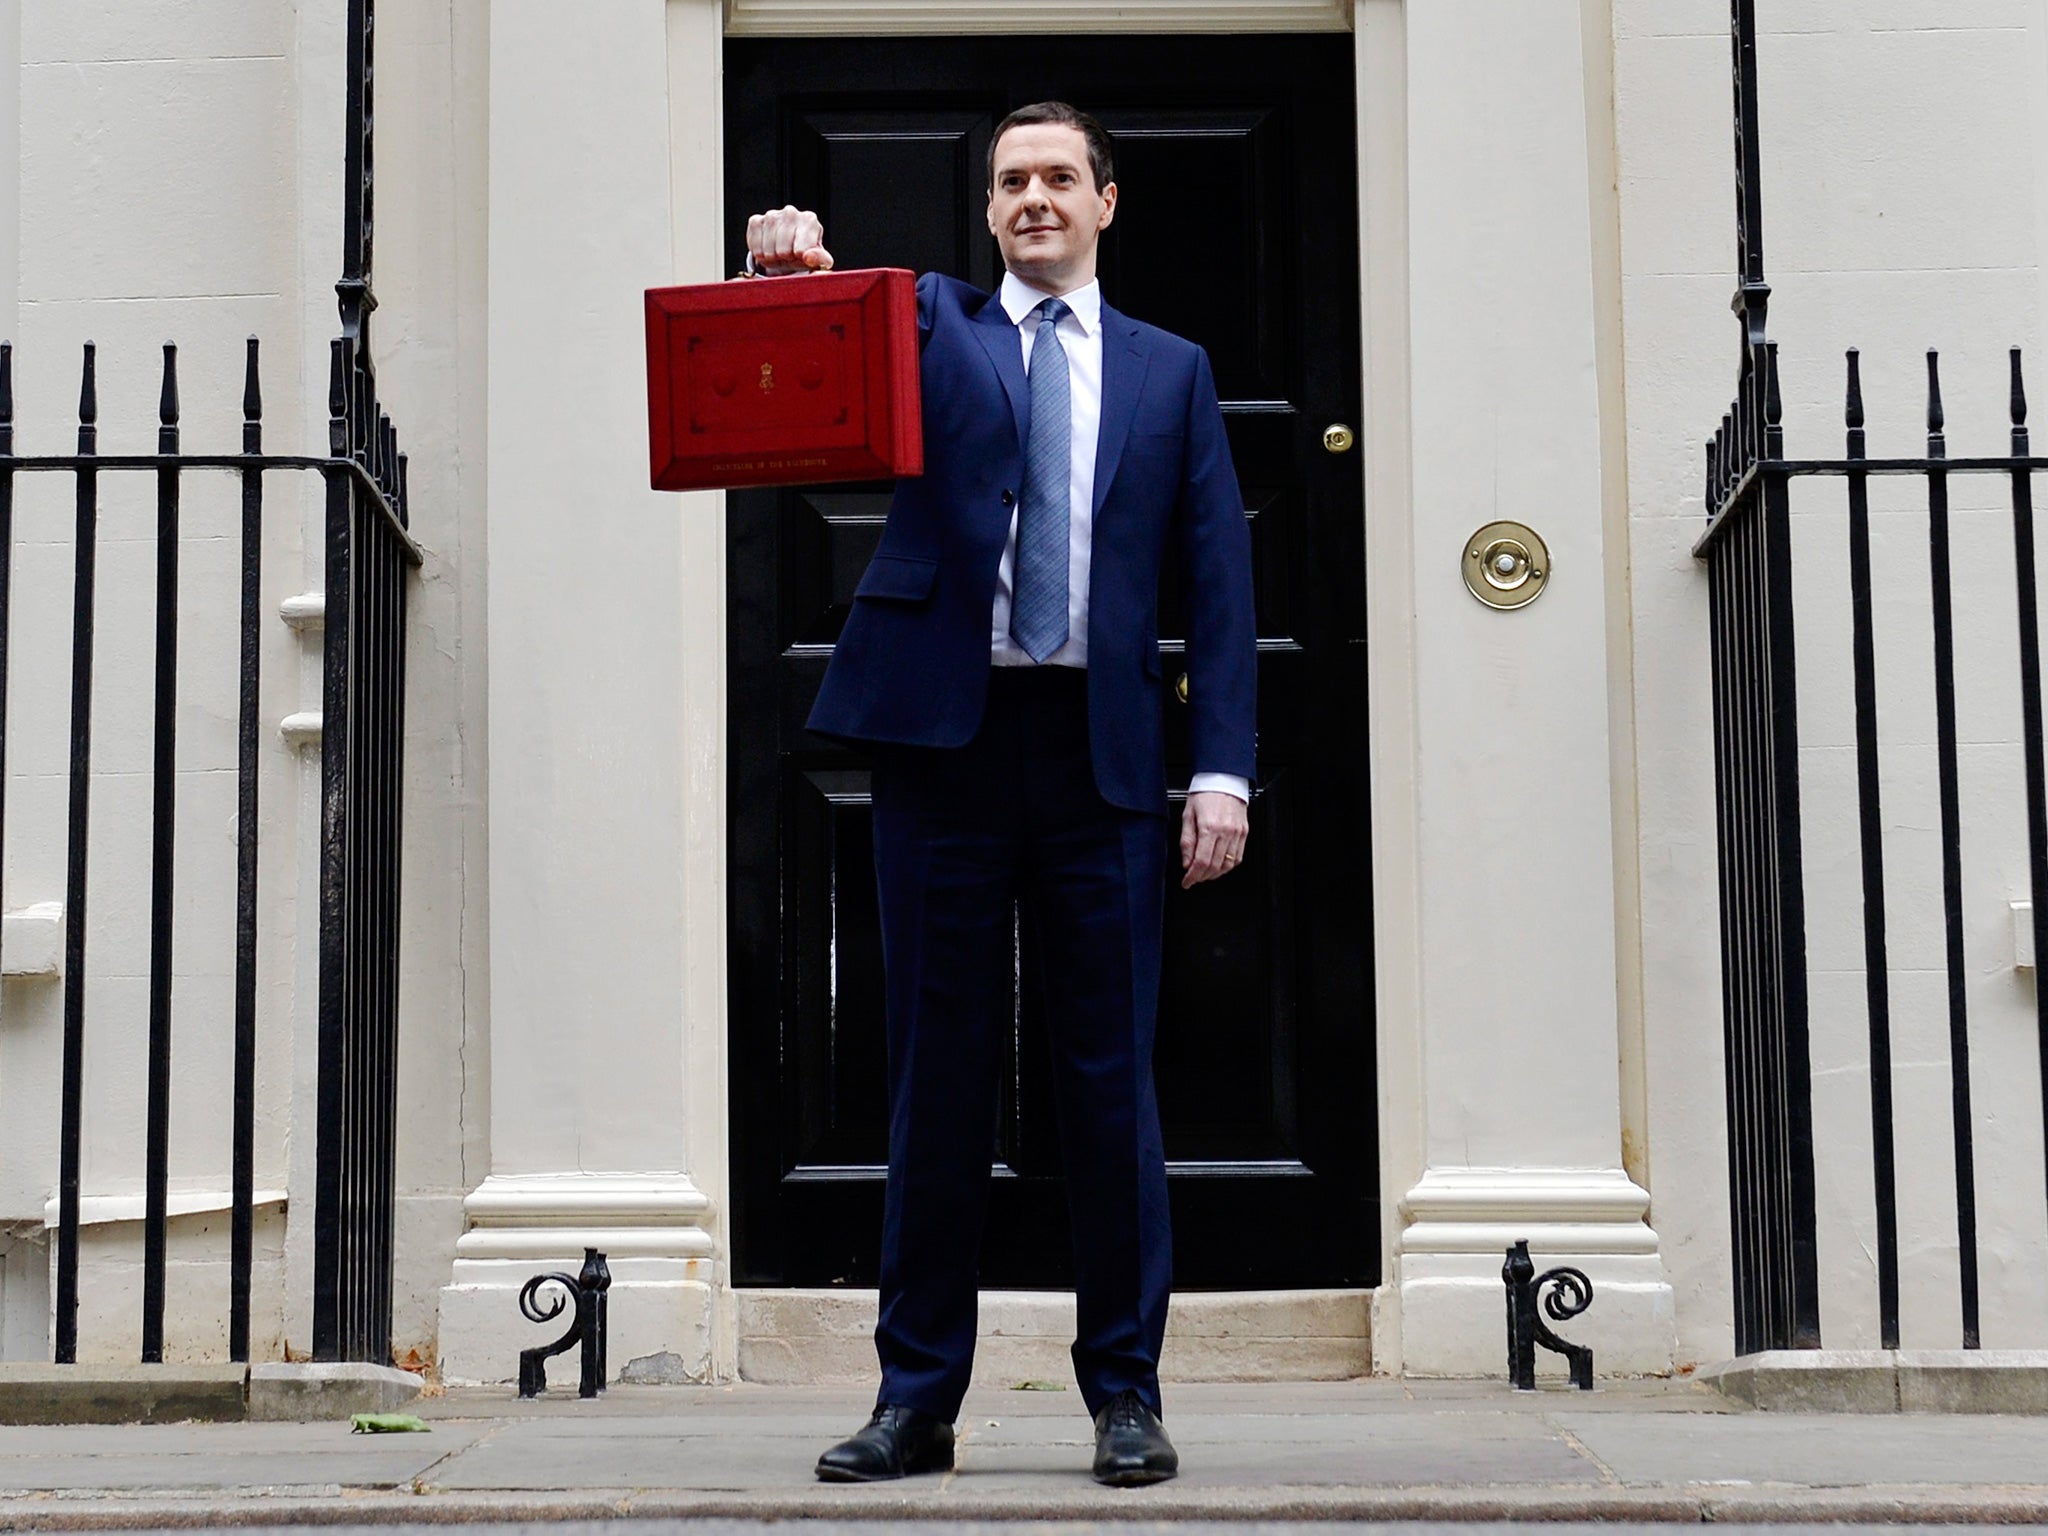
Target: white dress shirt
1080, 335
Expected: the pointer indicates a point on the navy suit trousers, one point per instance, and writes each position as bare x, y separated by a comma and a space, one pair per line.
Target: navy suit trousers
964, 837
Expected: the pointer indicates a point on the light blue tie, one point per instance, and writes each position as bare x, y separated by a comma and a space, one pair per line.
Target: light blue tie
1038, 601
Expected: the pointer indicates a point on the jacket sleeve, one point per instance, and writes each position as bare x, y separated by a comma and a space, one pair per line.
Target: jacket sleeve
1216, 578
927, 298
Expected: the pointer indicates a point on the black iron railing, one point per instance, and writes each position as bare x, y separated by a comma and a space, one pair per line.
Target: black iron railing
368, 554
362, 754
1749, 557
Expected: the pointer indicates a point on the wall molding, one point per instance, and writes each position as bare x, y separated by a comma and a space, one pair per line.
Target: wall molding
1559, 1210
866, 18
630, 1215
304, 611
102, 1210
32, 940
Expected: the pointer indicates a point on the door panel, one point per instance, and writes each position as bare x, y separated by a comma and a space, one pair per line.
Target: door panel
1237, 227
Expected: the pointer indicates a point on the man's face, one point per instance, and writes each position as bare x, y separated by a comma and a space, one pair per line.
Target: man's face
1045, 209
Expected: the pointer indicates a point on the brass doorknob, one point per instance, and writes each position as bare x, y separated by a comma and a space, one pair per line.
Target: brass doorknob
1338, 438
1180, 688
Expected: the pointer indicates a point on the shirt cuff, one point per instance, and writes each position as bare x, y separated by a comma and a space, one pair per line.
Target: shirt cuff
1221, 783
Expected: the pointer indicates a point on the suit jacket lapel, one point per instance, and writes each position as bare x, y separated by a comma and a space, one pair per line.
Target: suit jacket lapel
997, 332
1123, 377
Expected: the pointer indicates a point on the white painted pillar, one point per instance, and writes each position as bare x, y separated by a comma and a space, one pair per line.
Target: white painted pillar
1493, 781
10, 169
590, 750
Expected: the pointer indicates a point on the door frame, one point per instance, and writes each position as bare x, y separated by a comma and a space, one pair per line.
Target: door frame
696, 30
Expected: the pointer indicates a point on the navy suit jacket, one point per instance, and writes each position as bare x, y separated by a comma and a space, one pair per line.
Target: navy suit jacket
912, 663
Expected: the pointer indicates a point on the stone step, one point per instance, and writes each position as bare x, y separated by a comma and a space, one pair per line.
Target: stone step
36, 1393
826, 1337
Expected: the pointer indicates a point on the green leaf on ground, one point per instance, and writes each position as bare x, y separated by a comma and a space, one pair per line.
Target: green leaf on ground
387, 1424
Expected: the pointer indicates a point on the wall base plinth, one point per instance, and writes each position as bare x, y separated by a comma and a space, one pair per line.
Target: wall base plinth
667, 1287
1451, 1305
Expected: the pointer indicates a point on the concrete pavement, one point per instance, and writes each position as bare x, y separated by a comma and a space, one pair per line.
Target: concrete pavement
1365, 1450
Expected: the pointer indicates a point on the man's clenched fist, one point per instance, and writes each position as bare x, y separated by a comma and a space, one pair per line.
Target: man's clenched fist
786, 240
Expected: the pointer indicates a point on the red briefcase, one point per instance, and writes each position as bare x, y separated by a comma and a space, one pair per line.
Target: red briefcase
784, 381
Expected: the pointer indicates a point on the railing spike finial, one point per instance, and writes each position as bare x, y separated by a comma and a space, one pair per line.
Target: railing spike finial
167, 402
1935, 418
89, 402
337, 397
252, 389
1746, 414
6, 397
1774, 407
1852, 408
363, 404
2020, 447
1711, 494
252, 401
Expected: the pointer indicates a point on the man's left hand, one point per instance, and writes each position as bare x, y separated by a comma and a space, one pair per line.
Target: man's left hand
1213, 830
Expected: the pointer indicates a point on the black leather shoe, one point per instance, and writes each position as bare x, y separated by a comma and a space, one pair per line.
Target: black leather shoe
1131, 1447
896, 1443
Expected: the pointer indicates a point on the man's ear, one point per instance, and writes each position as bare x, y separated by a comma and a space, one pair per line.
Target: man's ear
1108, 206
991, 210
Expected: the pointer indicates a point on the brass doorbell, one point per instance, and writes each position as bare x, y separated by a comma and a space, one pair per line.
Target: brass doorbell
1506, 565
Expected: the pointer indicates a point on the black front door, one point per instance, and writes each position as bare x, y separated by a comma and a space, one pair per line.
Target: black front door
1238, 228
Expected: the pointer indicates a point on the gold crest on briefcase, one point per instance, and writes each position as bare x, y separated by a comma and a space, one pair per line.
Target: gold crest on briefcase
770, 384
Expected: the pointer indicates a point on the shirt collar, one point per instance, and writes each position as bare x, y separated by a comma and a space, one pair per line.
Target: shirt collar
1020, 298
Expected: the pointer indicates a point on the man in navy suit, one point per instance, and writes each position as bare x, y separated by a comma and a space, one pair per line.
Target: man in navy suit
1001, 662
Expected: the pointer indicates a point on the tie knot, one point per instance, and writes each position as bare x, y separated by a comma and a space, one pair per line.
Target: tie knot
1052, 312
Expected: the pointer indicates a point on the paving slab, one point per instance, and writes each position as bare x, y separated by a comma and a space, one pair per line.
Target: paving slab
202, 1439
863, 1509
1354, 1451
715, 1424
722, 1526
1817, 1450
1332, 1431
222, 1462
532, 1457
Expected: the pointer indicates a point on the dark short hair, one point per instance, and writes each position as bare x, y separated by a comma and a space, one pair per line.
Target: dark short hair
1059, 112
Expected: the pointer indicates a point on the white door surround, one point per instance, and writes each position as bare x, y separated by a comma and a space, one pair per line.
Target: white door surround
1493, 784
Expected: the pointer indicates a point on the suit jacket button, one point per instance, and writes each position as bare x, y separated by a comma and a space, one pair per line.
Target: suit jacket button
1008, 497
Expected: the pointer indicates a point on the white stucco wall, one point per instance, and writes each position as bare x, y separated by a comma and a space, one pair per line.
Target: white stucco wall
147, 217
1900, 149
10, 168
179, 179
432, 351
